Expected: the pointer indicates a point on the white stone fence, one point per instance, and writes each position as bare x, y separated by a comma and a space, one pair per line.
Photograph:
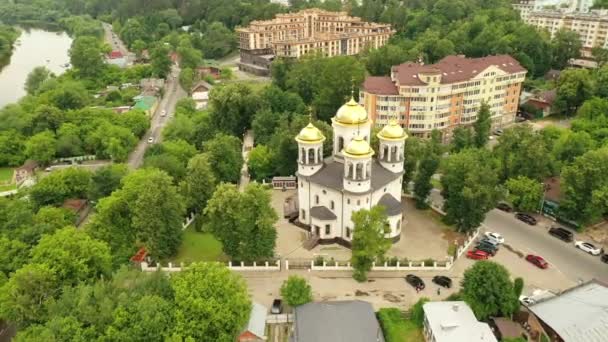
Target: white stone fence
467, 243
262, 266
409, 266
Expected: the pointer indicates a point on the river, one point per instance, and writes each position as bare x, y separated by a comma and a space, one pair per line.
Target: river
35, 47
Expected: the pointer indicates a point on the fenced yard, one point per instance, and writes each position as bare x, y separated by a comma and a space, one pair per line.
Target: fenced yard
198, 246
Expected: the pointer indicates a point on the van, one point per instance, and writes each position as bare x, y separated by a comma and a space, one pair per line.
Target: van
562, 234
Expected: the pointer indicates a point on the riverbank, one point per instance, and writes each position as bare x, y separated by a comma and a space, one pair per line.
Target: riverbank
8, 37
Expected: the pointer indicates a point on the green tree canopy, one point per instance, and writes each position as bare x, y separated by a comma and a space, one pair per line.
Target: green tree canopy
296, 291
211, 302
488, 290
525, 193
199, 184
86, 55
225, 156
369, 241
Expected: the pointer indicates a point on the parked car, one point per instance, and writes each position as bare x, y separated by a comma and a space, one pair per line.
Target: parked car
491, 250
604, 258
277, 307
588, 247
163, 113
150, 140
495, 236
443, 281
477, 255
537, 260
415, 281
529, 219
504, 207
562, 234
526, 301
489, 242
498, 132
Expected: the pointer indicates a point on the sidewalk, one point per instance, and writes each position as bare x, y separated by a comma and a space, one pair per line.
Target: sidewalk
247, 146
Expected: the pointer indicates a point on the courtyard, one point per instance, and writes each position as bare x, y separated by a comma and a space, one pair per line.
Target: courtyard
423, 236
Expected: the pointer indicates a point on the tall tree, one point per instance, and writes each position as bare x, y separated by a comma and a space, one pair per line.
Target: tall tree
585, 185
41, 147
106, 179
487, 288
469, 183
413, 150
232, 107
199, 184
296, 291
483, 125
422, 183
260, 162
73, 256
24, 296
525, 193
462, 138
86, 55
522, 152
159, 58
369, 242
209, 293
225, 156
566, 45
35, 79
574, 87
243, 222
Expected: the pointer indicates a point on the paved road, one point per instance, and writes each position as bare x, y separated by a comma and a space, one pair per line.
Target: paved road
247, 146
571, 262
173, 93
113, 40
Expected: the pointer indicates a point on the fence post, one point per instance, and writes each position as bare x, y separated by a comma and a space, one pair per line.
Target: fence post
242, 264
410, 264
230, 264
144, 265
398, 263
287, 264
434, 264
312, 264
254, 264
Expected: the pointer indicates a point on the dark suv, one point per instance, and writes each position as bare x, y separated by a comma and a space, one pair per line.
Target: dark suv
504, 207
529, 219
487, 247
562, 234
415, 281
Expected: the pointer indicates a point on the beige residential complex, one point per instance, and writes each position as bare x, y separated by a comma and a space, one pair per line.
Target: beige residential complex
296, 34
592, 27
446, 94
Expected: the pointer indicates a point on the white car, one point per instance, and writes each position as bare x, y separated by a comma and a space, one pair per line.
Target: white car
163, 113
587, 247
526, 301
495, 237
150, 140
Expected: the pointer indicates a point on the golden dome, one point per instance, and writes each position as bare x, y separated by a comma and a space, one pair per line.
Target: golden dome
351, 113
358, 148
310, 135
392, 131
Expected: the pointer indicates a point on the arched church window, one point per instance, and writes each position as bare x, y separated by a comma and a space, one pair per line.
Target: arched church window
340, 143
359, 171
311, 156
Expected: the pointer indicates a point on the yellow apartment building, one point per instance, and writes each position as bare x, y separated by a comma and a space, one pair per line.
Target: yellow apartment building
311, 30
446, 94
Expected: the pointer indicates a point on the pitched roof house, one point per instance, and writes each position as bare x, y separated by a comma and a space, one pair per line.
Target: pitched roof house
579, 314
339, 321
256, 327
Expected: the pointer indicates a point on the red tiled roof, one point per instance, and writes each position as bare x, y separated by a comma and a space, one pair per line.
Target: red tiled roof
115, 54
74, 204
455, 69
380, 85
140, 255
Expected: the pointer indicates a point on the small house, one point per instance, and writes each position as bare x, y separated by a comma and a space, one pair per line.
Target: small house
80, 208
454, 322
24, 172
200, 94
208, 70
116, 58
256, 327
543, 102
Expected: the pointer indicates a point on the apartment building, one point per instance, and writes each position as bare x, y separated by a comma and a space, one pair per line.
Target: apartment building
592, 27
446, 94
296, 34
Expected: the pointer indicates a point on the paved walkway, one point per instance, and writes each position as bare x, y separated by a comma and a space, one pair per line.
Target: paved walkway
247, 146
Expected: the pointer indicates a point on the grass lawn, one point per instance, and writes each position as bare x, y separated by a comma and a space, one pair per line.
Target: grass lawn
6, 174
197, 246
398, 329
7, 187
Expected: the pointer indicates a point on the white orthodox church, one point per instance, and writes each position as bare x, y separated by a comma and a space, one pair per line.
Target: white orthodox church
331, 189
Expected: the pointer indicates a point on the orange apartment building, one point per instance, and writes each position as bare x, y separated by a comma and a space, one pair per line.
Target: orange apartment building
296, 34
446, 94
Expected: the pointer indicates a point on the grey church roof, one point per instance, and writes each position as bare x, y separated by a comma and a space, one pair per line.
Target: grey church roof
322, 213
392, 205
332, 173
339, 321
